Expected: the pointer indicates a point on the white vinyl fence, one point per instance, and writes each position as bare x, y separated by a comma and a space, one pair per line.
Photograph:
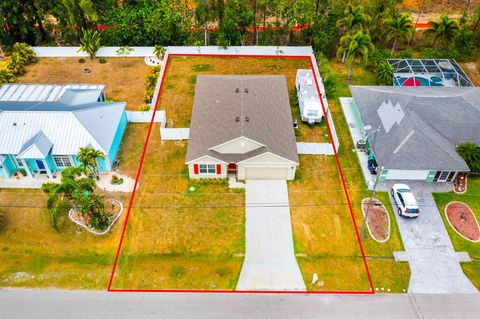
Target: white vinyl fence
105, 52
174, 134
146, 117
315, 148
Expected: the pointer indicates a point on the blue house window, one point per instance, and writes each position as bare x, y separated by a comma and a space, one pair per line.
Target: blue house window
62, 161
19, 162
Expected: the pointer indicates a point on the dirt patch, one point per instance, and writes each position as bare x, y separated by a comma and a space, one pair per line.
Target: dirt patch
124, 78
463, 220
378, 222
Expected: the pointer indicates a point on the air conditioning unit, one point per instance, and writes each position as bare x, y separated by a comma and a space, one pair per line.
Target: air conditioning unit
361, 144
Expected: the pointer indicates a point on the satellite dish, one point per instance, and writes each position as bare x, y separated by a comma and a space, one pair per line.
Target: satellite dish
367, 127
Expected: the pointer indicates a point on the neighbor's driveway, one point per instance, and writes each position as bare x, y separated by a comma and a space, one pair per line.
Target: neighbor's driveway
432, 258
270, 262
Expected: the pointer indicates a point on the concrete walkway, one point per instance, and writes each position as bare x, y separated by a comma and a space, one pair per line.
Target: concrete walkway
270, 262
433, 261
315, 148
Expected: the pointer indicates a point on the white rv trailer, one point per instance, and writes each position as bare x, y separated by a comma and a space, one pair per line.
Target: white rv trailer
311, 110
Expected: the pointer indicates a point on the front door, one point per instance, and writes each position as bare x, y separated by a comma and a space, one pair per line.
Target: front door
232, 169
40, 165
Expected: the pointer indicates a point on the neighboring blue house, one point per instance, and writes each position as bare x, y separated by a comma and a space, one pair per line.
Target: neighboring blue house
42, 127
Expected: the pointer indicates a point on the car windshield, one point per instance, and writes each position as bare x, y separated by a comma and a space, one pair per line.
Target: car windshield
413, 210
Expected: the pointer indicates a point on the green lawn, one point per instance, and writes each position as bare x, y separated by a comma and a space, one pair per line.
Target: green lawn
472, 199
385, 273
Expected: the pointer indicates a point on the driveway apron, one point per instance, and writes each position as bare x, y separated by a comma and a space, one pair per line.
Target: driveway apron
433, 261
270, 262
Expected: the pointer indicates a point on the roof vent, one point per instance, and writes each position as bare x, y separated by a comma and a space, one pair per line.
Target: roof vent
247, 119
246, 90
14, 124
237, 119
237, 90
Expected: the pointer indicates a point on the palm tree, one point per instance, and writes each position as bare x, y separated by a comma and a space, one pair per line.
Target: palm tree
159, 51
88, 156
91, 43
399, 27
384, 73
355, 46
444, 31
353, 20
73, 180
470, 154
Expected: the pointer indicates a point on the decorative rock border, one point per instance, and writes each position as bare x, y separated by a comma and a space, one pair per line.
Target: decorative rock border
450, 223
152, 61
388, 219
70, 212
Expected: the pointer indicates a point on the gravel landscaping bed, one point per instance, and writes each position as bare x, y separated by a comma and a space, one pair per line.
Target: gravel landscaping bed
378, 222
462, 219
460, 183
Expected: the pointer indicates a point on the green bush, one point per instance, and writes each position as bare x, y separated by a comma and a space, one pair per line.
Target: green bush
151, 82
406, 54
21, 56
102, 60
81, 60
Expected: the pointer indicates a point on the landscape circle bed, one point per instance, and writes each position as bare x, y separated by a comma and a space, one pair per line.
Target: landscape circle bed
460, 216
114, 213
378, 222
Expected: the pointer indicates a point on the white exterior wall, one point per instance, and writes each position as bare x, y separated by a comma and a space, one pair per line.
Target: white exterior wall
207, 160
397, 174
237, 146
267, 160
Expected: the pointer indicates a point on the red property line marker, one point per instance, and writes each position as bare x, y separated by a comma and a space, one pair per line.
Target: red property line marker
109, 289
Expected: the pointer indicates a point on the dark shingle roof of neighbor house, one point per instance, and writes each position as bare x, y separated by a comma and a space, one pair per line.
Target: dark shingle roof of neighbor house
420, 126
260, 111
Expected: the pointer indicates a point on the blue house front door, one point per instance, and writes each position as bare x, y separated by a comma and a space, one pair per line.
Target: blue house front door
40, 165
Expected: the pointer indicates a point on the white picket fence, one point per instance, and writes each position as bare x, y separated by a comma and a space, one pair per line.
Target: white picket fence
174, 134
146, 117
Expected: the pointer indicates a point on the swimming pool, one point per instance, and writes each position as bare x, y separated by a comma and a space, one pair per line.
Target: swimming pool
419, 80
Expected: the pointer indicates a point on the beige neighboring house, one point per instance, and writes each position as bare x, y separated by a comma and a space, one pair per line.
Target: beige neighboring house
241, 126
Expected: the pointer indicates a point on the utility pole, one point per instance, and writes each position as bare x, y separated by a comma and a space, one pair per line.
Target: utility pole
374, 190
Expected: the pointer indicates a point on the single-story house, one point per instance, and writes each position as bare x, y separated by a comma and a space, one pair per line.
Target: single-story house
42, 127
414, 131
241, 126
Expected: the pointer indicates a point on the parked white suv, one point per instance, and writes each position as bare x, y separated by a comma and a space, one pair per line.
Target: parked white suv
406, 202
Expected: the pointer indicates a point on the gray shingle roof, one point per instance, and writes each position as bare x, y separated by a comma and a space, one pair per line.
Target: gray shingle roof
260, 111
435, 121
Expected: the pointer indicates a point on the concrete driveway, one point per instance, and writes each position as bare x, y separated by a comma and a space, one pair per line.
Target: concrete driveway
270, 262
433, 261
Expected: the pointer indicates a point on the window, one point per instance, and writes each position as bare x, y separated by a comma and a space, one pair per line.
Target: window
62, 161
207, 168
19, 162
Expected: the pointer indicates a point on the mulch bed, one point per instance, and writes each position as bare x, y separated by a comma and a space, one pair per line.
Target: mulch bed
463, 220
112, 208
460, 183
377, 219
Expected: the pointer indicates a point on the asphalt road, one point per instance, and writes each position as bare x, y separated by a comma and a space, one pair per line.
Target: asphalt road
54, 304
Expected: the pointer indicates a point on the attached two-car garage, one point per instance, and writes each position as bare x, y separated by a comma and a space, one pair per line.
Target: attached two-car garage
266, 172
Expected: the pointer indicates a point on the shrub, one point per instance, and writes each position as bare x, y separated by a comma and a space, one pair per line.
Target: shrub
406, 54
81, 60
470, 153
102, 60
151, 82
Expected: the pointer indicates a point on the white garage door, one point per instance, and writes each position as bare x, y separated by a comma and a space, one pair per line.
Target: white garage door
266, 172
407, 174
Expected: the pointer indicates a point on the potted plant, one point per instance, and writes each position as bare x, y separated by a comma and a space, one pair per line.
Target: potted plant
23, 172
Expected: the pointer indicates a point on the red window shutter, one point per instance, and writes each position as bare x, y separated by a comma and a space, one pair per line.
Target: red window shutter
219, 169
195, 168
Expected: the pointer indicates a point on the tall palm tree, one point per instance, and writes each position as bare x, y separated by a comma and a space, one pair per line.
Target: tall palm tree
399, 27
443, 31
355, 46
73, 180
470, 154
88, 157
352, 21
159, 51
